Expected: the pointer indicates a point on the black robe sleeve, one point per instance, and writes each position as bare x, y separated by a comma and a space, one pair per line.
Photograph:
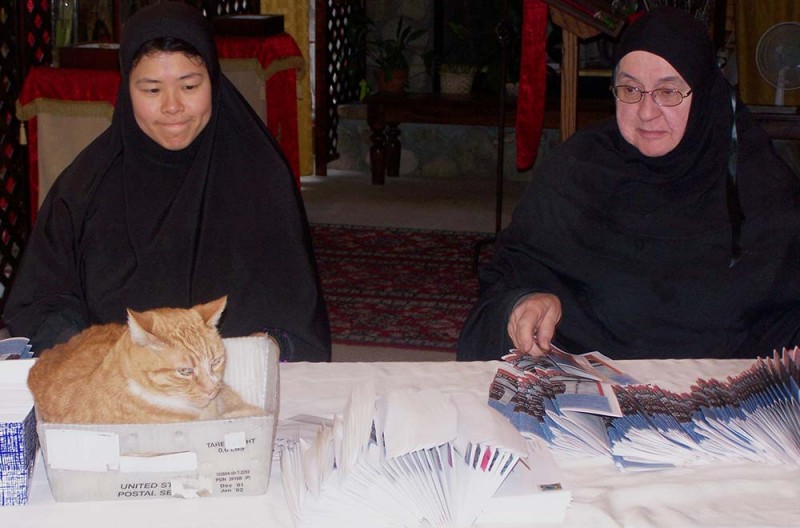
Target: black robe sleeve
518, 268
46, 302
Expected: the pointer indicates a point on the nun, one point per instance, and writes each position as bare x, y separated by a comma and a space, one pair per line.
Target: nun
670, 231
185, 198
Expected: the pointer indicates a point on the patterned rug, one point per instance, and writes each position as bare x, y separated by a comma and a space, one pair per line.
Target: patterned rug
396, 287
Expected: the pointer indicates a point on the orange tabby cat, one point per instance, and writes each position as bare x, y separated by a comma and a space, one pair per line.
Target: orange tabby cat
165, 365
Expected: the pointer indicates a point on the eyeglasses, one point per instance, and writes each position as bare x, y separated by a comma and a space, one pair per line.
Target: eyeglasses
661, 96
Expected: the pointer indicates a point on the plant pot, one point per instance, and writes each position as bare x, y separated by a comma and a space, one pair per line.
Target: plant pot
393, 82
512, 89
456, 82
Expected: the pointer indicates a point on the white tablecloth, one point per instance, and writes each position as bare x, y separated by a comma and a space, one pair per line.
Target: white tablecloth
729, 495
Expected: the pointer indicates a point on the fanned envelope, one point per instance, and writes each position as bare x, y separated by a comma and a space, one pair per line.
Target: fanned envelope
753, 416
413, 458
15, 348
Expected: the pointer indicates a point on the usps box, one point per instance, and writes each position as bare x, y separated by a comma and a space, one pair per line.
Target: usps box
18, 442
211, 458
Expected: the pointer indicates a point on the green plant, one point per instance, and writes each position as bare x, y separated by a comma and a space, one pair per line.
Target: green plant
473, 45
385, 54
460, 57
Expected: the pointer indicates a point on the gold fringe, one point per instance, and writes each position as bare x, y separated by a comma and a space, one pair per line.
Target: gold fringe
278, 65
61, 107
288, 63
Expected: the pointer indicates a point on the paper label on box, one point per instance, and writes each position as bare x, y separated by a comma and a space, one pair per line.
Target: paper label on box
235, 441
82, 450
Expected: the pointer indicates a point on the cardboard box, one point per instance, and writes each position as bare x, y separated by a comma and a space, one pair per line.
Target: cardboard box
18, 442
217, 458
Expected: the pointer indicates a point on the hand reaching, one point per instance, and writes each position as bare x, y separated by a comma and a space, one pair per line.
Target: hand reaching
533, 321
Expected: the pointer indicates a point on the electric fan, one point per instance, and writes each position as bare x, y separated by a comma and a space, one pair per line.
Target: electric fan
778, 58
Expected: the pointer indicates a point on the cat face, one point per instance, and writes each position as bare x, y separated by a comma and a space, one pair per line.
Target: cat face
178, 356
192, 369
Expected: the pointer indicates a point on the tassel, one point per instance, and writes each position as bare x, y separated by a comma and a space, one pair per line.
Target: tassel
23, 136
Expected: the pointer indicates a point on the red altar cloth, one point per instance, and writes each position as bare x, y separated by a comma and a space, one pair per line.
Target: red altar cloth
69, 85
278, 55
274, 53
281, 59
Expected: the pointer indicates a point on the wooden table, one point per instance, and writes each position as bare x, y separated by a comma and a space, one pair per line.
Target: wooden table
779, 126
385, 113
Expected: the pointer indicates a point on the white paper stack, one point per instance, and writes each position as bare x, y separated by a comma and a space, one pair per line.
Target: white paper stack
17, 400
413, 458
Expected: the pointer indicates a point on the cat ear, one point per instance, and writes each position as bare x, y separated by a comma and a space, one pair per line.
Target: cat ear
212, 311
140, 326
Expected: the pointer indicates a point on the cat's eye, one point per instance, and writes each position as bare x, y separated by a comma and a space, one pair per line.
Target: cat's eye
216, 362
187, 371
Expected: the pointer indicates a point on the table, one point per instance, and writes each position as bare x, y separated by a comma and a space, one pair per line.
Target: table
81, 101
778, 126
728, 495
385, 112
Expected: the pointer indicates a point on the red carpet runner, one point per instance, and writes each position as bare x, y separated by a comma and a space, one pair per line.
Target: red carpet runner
396, 287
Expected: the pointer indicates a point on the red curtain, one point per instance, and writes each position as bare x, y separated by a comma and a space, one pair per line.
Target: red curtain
533, 68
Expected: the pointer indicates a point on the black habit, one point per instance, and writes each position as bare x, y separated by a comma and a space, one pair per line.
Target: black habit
651, 257
130, 224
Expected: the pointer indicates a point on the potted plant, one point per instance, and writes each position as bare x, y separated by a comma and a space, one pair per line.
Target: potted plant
457, 69
387, 55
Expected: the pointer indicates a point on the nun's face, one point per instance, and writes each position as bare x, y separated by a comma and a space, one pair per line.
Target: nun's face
654, 130
171, 97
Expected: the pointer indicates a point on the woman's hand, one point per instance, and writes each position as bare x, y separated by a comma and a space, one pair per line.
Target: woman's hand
533, 321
